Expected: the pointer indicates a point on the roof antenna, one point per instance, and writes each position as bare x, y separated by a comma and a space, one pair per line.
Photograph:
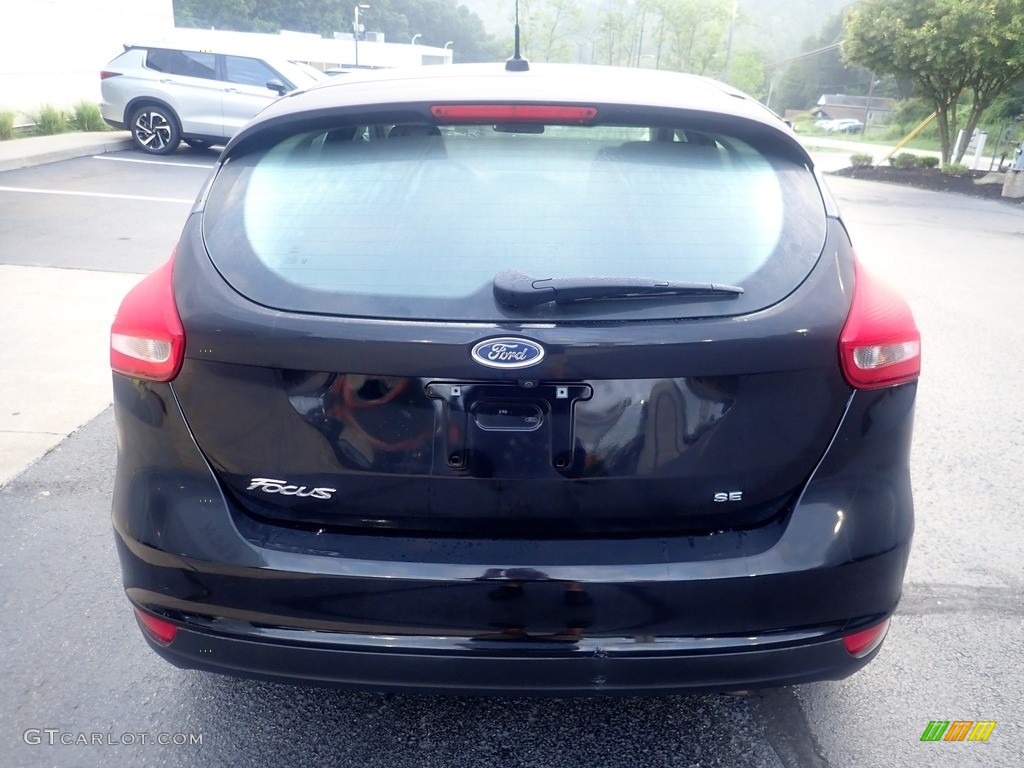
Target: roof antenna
517, 63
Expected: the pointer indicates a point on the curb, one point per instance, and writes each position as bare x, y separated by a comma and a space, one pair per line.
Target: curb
38, 150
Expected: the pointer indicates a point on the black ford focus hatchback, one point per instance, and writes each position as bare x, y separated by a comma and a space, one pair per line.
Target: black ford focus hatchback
555, 381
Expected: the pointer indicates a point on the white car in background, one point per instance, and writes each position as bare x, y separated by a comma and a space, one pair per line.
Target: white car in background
165, 94
845, 125
839, 125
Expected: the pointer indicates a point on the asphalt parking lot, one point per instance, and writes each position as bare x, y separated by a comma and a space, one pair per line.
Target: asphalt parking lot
75, 234
74, 237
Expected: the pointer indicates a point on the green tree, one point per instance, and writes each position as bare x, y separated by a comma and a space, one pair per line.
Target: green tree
692, 35
236, 15
438, 21
681, 35
947, 48
550, 29
819, 70
747, 72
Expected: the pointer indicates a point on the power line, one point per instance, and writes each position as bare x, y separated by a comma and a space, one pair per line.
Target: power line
807, 55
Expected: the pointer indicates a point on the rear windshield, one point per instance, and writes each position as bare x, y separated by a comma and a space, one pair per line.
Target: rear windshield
415, 220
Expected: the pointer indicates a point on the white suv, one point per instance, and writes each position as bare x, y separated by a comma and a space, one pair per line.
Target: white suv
165, 94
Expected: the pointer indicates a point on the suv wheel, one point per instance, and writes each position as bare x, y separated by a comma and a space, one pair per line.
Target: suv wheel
155, 130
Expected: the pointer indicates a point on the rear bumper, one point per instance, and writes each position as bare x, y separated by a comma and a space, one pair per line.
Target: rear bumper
729, 610
570, 629
523, 668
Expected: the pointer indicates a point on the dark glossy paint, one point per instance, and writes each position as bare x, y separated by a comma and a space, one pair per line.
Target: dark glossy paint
669, 613
595, 612
750, 414
554, 530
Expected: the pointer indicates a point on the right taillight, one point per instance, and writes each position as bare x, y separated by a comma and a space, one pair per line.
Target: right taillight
147, 340
106, 73
861, 643
880, 345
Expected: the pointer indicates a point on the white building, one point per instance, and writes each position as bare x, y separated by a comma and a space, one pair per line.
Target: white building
323, 53
51, 51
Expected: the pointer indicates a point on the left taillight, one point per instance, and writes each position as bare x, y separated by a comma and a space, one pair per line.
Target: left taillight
159, 629
147, 340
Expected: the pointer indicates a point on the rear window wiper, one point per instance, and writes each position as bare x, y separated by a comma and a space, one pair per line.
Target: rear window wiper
517, 289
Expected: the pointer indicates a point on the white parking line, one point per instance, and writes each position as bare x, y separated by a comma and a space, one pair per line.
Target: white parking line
152, 162
143, 198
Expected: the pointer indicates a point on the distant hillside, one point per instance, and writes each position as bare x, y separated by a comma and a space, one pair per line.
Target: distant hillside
495, 14
778, 27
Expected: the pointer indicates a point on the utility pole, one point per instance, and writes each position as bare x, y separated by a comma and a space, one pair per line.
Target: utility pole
867, 105
355, 26
728, 47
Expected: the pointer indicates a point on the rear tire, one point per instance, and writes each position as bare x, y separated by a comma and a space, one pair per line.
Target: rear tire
155, 130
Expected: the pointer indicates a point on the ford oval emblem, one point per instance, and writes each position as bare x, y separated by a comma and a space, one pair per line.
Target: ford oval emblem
508, 352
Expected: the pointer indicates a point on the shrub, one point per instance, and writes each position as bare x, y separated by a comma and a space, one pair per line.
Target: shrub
927, 162
87, 117
50, 120
861, 160
904, 161
6, 124
954, 169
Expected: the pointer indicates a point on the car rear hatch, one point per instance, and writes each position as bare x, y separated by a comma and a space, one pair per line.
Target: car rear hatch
524, 320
